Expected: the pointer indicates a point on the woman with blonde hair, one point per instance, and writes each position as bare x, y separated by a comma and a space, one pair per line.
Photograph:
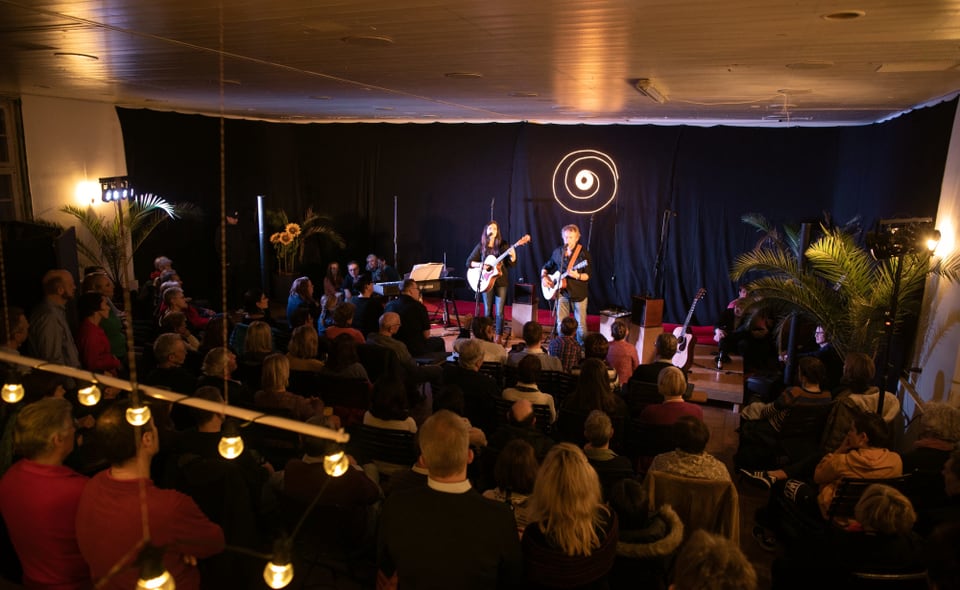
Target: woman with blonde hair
274, 394
572, 539
258, 342
302, 349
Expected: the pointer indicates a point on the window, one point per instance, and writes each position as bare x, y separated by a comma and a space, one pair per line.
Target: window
14, 196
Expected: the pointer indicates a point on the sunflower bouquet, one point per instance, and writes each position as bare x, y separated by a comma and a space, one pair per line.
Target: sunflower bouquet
289, 239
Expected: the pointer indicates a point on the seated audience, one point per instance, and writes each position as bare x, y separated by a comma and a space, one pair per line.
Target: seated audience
565, 346
417, 544
483, 331
941, 553
691, 459
595, 346
827, 354
664, 349
18, 326
258, 342
593, 391
389, 406
521, 423
343, 323
342, 361
109, 522
622, 355
514, 474
369, 306
39, 498
528, 371
856, 394
479, 391
174, 300
572, 539
452, 400
256, 307
610, 467
389, 324
949, 510
175, 322
302, 349
274, 394
216, 334
648, 540
672, 385
414, 328
218, 368
938, 436
92, 342
301, 296
532, 344
170, 353
712, 562
882, 543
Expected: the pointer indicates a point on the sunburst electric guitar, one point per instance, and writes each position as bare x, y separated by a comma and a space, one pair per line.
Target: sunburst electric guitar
482, 278
685, 342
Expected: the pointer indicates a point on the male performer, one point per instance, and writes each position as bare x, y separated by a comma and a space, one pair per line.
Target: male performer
573, 289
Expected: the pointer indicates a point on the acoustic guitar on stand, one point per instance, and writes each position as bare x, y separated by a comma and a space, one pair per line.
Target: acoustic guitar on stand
482, 278
685, 342
557, 278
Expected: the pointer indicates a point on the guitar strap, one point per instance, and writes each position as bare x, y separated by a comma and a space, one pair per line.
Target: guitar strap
573, 258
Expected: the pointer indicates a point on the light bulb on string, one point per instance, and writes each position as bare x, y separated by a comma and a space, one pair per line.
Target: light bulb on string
153, 576
12, 392
138, 415
279, 571
336, 464
231, 443
90, 395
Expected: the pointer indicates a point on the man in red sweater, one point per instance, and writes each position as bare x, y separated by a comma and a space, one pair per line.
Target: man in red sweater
39, 498
118, 502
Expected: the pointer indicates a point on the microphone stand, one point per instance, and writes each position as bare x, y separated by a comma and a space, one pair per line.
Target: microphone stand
661, 248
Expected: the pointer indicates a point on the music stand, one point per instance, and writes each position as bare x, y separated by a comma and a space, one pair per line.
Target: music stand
427, 271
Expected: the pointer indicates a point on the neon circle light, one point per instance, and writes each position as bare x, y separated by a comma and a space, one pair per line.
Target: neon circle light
585, 181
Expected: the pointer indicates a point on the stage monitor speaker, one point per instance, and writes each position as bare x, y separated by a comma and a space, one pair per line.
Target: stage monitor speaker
524, 308
524, 293
647, 312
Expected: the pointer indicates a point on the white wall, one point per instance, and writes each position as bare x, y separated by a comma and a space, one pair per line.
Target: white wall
67, 143
938, 336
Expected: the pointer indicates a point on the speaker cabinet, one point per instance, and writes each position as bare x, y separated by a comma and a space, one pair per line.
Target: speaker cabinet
524, 307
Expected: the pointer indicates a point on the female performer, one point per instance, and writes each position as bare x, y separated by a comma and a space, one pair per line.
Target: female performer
492, 244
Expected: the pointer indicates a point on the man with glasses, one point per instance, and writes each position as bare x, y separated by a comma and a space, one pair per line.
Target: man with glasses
414, 322
349, 281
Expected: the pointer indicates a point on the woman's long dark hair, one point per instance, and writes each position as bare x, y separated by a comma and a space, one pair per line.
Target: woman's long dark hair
497, 241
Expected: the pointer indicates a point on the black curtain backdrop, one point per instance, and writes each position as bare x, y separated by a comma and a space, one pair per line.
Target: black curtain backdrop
444, 177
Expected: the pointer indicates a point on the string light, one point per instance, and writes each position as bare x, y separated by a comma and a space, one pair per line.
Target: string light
12, 392
279, 571
153, 576
90, 395
336, 464
138, 415
231, 444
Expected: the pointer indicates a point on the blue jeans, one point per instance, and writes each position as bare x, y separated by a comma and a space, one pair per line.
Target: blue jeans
495, 298
579, 313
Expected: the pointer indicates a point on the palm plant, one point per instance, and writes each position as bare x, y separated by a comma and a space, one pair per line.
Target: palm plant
107, 249
291, 237
840, 285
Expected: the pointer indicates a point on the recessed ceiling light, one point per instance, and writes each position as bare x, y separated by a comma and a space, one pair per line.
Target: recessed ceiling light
811, 65
844, 15
320, 97
73, 54
463, 75
368, 40
524, 94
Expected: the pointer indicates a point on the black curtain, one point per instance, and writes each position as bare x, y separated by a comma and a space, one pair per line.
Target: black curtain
445, 176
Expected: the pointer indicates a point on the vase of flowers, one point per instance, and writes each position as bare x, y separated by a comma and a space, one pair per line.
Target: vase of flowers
289, 237
286, 244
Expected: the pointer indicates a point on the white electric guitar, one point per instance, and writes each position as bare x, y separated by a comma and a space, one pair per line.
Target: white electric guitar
685, 342
482, 278
557, 278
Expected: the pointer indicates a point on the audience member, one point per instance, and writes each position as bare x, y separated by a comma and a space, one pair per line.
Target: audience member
856, 394
19, 329
514, 474
447, 535
217, 334
389, 407
39, 498
691, 459
92, 342
112, 325
343, 323
672, 385
622, 355
595, 346
572, 539
50, 336
332, 282
532, 344
175, 322
256, 307
109, 522
712, 562
348, 286
380, 271
274, 394
664, 348
484, 332
828, 355
528, 371
343, 361
389, 324
258, 342
302, 349
648, 540
301, 295
949, 509
593, 391
610, 467
942, 557
369, 308
218, 368
174, 300
170, 353
414, 328
565, 345
479, 391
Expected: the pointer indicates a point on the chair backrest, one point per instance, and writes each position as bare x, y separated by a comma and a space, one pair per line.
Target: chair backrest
349, 398
805, 422
700, 503
377, 360
640, 394
494, 371
850, 489
647, 440
305, 383
556, 383
540, 411
368, 444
